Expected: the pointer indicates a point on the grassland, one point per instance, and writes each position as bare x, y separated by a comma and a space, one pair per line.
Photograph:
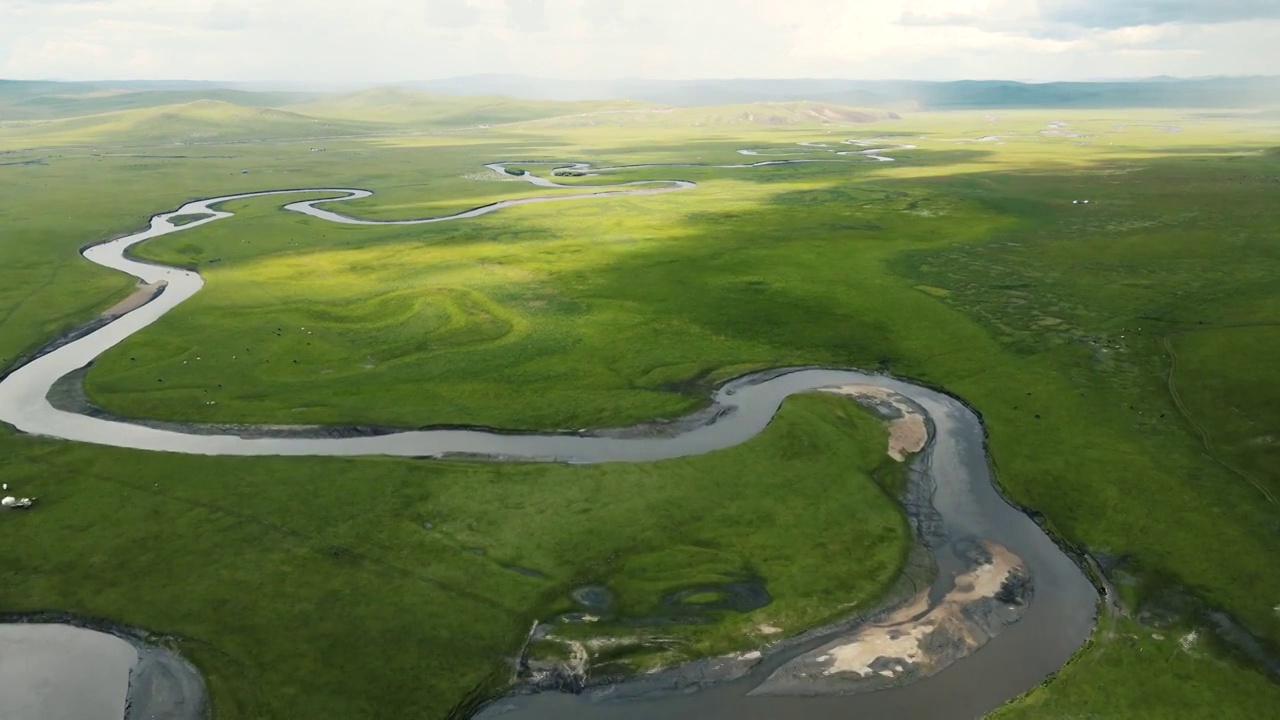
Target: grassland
344, 589
36, 100
966, 265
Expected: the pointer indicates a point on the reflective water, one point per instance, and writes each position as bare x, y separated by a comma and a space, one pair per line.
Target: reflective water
60, 672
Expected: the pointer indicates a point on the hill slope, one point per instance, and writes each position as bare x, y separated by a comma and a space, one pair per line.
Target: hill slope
194, 122
786, 114
35, 100
401, 106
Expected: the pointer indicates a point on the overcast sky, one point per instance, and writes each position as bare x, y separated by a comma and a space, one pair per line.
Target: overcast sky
372, 41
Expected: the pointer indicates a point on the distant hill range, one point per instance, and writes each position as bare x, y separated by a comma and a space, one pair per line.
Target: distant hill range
900, 95
426, 109
47, 114
491, 95
198, 121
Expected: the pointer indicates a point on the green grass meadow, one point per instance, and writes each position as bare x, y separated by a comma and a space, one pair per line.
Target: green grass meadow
351, 588
1122, 353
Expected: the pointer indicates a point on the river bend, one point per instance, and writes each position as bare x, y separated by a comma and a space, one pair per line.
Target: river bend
954, 463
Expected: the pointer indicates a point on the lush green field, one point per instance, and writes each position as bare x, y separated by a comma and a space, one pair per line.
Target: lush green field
1136, 671
965, 264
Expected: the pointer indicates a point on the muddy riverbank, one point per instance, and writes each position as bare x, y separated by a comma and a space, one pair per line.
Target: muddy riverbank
142, 294
1026, 631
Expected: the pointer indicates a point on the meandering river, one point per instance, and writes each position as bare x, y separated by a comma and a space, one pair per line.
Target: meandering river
954, 464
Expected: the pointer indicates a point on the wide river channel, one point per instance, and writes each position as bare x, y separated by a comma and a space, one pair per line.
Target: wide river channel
967, 504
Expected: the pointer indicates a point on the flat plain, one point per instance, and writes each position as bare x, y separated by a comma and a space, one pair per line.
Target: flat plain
1120, 351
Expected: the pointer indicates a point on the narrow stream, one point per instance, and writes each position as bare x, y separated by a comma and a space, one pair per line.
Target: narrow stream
967, 504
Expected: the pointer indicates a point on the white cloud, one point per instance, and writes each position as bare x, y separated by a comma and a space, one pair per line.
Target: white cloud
527, 15
1129, 13
389, 40
451, 13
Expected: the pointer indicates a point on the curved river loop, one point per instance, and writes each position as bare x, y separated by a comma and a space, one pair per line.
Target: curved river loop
958, 502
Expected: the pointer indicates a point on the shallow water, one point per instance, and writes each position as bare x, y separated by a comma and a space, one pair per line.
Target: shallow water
968, 507
59, 672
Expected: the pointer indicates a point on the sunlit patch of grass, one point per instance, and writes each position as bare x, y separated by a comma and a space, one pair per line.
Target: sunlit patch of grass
934, 291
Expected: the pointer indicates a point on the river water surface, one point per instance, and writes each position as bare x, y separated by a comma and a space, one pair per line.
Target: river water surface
966, 502
50, 672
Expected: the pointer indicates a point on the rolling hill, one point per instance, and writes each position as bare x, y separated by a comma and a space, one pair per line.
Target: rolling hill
768, 114
193, 122
376, 111
414, 108
27, 100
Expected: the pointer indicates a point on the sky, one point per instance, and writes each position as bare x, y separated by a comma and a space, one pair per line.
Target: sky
377, 41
